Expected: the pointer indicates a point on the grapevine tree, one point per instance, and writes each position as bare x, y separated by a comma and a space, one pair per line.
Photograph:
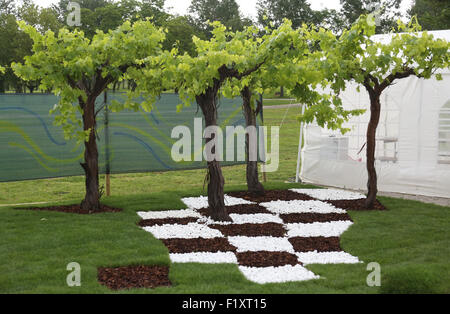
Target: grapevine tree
226, 56
356, 56
78, 70
294, 68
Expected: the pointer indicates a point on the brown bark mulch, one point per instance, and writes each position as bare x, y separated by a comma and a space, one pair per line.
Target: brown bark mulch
252, 230
74, 209
198, 245
128, 277
313, 217
357, 205
266, 259
272, 195
166, 221
319, 244
242, 209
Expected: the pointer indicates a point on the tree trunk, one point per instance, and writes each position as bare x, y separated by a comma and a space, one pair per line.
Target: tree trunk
253, 184
208, 103
91, 201
375, 108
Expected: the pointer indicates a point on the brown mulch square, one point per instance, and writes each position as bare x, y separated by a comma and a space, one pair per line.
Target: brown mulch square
198, 245
357, 205
242, 209
272, 195
166, 221
266, 259
313, 217
128, 277
319, 244
252, 230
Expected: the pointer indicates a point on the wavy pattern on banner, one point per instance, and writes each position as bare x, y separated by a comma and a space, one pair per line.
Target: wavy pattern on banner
157, 130
145, 145
14, 128
37, 116
155, 137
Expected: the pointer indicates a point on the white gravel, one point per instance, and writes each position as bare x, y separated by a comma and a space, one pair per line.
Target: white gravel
291, 207
189, 231
255, 244
185, 213
204, 257
318, 229
202, 201
260, 275
255, 218
330, 194
327, 258
286, 273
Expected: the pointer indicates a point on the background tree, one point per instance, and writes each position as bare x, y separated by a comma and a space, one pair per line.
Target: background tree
224, 11
432, 14
107, 14
273, 12
355, 56
79, 70
387, 13
16, 44
180, 31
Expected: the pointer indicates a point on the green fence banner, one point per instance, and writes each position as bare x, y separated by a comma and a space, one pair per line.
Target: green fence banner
32, 147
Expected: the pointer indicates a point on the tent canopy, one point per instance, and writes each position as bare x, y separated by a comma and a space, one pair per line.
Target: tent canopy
413, 139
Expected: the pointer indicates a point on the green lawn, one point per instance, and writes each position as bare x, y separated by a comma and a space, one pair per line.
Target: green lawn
277, 102
410, 241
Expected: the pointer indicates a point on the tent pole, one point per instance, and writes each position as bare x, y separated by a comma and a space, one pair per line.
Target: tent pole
299, 156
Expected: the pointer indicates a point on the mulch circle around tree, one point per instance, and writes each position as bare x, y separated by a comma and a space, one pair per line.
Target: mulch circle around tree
357, 205
252, 230
74, 209
267, 259
271, 195
313, 217
242, 209
166, 221
319, 244
198, 245
128, 277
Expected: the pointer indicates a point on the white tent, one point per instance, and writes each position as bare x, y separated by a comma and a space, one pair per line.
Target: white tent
413, 140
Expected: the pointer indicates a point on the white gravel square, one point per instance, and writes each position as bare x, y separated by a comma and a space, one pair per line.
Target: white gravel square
327, 258
189, 231
204, 257
292, 207
318, 229
185, 213
255, 218
202, 201
255, 244
330, 194
286, 273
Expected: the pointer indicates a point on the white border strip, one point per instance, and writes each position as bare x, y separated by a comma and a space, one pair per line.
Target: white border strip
327, 258
204, 257
184, 213
286, 273
318, 229
293, 207
255, 244
189, 231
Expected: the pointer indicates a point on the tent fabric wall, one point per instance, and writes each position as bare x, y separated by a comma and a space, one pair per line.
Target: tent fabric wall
407, 154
